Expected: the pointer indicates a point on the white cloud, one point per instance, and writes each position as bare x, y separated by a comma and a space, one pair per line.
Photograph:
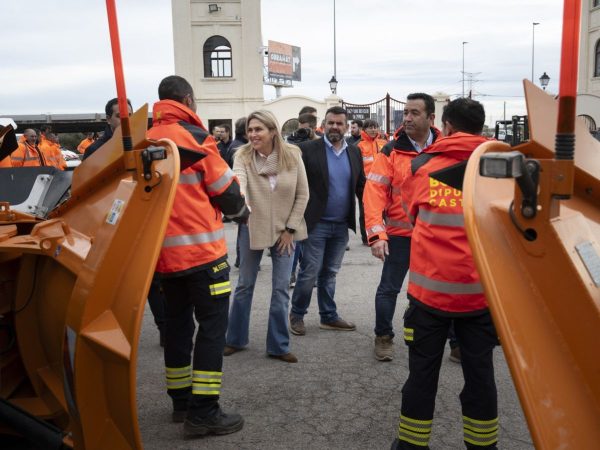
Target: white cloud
58, 59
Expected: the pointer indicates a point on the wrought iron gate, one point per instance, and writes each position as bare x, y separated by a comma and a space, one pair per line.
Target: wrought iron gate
388, 112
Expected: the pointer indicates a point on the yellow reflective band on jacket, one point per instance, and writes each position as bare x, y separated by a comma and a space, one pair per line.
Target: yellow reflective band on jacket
179, 377
206, 383
414, 431
220, 288
480, 432
409, 335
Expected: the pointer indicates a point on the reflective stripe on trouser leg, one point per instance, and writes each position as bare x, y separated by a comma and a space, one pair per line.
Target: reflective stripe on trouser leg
480, 433
409, 334
206, 383
414, 431
220, 288
179, 377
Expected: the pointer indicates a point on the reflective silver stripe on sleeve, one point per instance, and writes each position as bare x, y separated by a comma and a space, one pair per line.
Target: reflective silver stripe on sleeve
445, 287
375, 229
191, 239
448, 220
368, 158
410, 216
190, 178
396, 190
239, 213
221, 182
378, 178
399, 224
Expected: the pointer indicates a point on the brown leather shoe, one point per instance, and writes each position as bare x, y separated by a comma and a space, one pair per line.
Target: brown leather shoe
297, 326
338, 325
288, 357
228, 350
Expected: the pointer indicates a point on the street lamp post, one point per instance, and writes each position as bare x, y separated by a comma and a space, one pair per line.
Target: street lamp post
544, 80
533, 47
334, 45
463, 68
333, 85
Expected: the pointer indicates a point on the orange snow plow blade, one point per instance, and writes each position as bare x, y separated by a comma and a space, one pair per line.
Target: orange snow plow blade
542, 278
73, 290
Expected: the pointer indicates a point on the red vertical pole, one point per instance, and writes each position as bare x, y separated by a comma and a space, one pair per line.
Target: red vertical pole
119, 76
565, 131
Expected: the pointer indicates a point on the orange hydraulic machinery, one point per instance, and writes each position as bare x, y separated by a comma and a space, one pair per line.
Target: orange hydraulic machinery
73, 289
535, 235
76, 260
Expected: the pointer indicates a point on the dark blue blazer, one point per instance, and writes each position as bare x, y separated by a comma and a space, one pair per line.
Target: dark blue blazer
315, 162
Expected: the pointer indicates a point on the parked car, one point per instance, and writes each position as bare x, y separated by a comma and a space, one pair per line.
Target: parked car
72, 158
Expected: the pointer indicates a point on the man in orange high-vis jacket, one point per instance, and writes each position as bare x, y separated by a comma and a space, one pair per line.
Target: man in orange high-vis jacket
193, 265
28, 154
86, 142
444, 287
50, 148
390, 238
370, 144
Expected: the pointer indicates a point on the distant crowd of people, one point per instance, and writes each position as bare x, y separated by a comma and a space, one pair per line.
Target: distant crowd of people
36, 148
296, 198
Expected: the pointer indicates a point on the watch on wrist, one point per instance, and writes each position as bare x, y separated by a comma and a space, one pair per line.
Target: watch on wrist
290, 230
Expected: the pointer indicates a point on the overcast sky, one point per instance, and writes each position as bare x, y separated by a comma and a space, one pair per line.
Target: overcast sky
56, 56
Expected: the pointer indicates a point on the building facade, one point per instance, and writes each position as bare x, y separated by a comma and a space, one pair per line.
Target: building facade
218, 49
588, 89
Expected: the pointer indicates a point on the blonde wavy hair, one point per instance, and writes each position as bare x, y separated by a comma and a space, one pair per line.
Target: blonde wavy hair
285, 151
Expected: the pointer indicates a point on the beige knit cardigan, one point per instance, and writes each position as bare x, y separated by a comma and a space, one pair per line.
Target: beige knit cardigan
273, 211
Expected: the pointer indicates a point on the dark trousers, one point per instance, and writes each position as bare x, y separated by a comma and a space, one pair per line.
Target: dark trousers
394, 270
189, 296
361, 220
156, 300
425, 334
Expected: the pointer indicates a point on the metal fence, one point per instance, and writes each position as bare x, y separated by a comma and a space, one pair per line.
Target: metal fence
388, 112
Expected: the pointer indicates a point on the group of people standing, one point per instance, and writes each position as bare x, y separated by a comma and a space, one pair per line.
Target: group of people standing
37, 148
282, 194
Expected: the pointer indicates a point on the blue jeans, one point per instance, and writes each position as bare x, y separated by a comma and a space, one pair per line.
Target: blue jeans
322, 256
392, 276
278, 338
297, 255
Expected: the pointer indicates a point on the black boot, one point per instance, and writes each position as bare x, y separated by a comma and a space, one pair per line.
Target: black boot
220, 423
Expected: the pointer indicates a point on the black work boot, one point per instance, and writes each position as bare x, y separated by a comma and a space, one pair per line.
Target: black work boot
220, 423
398, 445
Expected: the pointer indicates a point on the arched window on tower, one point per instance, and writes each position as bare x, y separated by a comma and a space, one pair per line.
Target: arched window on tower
597, 60
217, 57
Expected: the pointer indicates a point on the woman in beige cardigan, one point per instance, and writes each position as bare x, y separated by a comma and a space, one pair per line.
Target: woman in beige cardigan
272, 177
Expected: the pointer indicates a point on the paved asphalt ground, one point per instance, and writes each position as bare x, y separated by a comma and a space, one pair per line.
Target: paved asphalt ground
336, 397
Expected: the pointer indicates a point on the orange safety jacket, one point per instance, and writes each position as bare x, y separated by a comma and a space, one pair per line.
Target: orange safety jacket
52, 154
27, 156
195, 236
84, 144
369, 149
382, 199
6, 162
443, 276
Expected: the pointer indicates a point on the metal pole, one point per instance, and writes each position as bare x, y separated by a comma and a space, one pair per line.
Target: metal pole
388, 110
463, 67
334, 46
533, 48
